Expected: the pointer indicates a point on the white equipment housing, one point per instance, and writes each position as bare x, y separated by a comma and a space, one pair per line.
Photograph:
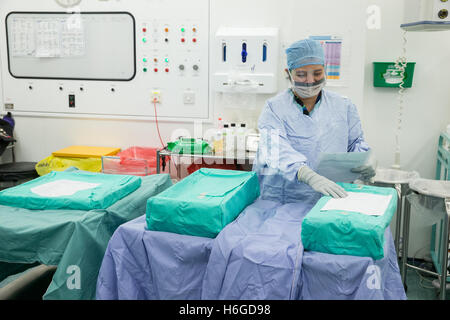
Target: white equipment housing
246, 60
426, 15
126, 58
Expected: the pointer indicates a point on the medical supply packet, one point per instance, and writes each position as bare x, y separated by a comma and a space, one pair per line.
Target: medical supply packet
203, 203
351, 226
78, 190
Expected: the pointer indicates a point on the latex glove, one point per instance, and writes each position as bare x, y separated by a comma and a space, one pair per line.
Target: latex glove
367, 172
320, 183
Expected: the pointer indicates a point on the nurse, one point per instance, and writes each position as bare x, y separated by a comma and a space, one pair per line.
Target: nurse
301, 122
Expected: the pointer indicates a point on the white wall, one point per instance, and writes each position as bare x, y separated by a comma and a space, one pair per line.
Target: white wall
426, 107
427, 103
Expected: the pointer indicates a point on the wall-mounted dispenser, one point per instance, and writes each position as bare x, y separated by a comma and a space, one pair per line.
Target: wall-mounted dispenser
246, 60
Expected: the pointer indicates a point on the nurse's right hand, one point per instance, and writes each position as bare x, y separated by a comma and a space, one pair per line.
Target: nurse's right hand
320, 183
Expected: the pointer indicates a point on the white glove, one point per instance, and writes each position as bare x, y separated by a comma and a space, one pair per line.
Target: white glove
320, 183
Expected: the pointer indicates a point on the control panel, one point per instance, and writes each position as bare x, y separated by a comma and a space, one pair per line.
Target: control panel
124, 60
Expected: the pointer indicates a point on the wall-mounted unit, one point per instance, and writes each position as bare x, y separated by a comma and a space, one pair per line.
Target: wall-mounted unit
102, 62
245, 60
426, 15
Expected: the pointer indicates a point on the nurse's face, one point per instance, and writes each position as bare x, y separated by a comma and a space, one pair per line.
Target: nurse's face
308, 74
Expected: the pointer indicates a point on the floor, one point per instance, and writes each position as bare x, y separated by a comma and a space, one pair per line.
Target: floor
419, 285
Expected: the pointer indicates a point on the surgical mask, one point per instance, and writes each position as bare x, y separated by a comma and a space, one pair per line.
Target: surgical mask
308, 90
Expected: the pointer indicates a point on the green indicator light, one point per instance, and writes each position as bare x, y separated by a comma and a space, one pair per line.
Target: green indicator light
144, 39
182, 29
167, 60
145, 59
145, 69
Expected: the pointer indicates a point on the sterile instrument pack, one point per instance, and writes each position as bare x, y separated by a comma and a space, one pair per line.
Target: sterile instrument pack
203, 203
354, 225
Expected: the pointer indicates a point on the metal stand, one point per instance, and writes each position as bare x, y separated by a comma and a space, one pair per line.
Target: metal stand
402, 190
233, 158
444, 241
11, 147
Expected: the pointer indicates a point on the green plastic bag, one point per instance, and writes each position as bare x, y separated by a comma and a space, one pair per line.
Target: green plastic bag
203, 203
346, 232
189, 146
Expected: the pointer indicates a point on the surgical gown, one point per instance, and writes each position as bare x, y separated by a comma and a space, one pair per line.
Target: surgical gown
291, 139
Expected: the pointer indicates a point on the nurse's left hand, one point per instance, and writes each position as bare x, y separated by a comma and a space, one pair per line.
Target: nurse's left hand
367, 172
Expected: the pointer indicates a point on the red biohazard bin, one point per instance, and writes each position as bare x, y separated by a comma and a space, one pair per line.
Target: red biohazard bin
137, 161
195, 166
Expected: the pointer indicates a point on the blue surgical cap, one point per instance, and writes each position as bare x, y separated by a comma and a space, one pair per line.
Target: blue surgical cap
304, 52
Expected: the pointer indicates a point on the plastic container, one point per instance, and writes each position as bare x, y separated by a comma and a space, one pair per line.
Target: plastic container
220, 123
233, 128
85, 152
225, 132
138, 161
218, 141
218, 137
385, 74
240, 137
230, 138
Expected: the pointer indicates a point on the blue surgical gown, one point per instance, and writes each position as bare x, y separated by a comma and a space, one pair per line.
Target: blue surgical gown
291, 139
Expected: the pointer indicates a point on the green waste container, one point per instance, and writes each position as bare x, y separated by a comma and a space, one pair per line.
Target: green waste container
385, 74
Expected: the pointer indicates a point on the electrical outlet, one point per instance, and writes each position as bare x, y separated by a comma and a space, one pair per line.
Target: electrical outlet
156, 96
189, 97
